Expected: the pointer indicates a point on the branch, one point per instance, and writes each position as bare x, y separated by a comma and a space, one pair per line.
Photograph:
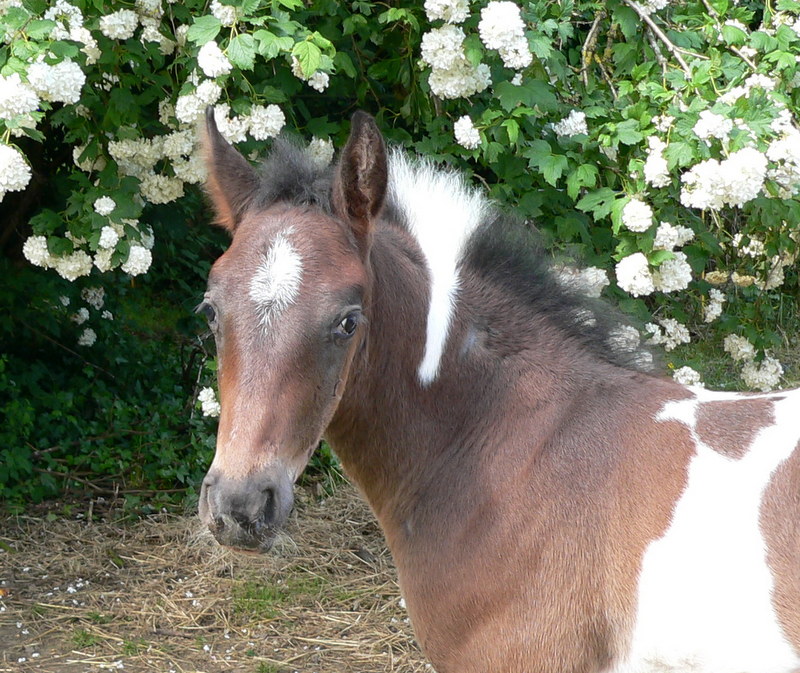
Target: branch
675, 51
587, 50
715, 15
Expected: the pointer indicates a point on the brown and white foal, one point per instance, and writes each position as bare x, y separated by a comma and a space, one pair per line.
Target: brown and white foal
551, 508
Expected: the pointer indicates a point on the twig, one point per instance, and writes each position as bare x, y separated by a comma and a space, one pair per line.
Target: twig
675, 51
657, 51
715, 15
588, 48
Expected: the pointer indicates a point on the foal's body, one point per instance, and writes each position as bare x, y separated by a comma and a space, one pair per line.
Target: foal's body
549, 509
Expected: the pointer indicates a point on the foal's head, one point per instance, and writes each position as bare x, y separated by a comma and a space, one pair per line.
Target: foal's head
286, 304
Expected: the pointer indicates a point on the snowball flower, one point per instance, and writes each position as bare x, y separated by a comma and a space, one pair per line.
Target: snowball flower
157, 188
733, 181
712, 125
319, 81
501, 27
108, 237
572, 125
634, 276
94, 296
208, 400
687, 376
673, 274
60, 83
138, 262
81, 316
73, 266
466, 133
35, 251
266, 122
656, 171
212, 61
460, 81
320, 151
225, 13
87, 337
670, 334
451, 11
713, 309
15, 174
764, 375
443, 47
119, 25
637, 215
16, 97
671, 236
589, 281
104, 205
738, 347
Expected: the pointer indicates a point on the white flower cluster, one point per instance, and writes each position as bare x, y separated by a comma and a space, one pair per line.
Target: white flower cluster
104, 205
226, 14
637, 215
266, 122
589, 281
119, 25
687, 376
784, 152
764, 375
731, 182
15, 174
668, 333
501, 27
634, 275
69, 26
318, 80
138, 262
190, 107
87, 337
451, 11
673, 274
712, 125
212, 61
466, 134
60, 83
94, 296
321, 151
452, 75
16, 97
650, 6
572, 125
208, 401
713, 309
671, 236
656, 171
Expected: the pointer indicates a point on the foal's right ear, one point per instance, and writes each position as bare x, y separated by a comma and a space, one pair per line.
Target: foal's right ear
231, 182
360, 180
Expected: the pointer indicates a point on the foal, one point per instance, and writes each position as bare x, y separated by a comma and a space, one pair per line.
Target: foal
551, 508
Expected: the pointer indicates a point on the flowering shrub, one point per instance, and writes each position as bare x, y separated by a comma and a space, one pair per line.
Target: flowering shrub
656, 141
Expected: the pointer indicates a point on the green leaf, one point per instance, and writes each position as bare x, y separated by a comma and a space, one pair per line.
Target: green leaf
344, 63
242, 51
40, 29
309, 57
553, 167
628, 132
204, 29
733, 35
584, 176
656, 257
512, 129
598, 202
628, 21
249, 7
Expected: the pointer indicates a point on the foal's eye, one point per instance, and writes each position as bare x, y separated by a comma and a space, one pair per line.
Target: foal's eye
347, 327
208, 311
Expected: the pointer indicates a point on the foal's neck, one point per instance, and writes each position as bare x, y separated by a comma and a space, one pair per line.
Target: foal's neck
398, 438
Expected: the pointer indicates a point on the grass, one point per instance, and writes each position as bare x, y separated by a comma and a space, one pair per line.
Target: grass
254, 598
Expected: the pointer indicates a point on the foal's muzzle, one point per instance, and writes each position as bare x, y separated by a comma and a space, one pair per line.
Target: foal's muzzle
246, 513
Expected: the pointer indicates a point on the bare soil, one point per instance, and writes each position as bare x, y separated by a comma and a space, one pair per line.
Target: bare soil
83, 594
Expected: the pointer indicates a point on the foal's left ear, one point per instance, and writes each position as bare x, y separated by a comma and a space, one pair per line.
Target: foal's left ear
359, 184
232, 182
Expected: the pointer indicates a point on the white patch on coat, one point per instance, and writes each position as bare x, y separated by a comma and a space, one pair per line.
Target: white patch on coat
441, 212
276, 282
704, 600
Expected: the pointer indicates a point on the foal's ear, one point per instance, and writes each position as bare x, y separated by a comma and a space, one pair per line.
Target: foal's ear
231, 182
359, 184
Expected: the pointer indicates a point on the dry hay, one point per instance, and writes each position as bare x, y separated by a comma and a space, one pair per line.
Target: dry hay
160, 595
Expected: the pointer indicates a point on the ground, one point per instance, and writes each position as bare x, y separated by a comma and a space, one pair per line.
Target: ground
84, 593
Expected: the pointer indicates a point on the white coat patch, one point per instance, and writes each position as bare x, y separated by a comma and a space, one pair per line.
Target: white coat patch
441, 212
276, 282
704, 601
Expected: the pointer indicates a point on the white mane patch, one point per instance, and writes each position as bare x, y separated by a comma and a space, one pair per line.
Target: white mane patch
276, 282
441, 212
